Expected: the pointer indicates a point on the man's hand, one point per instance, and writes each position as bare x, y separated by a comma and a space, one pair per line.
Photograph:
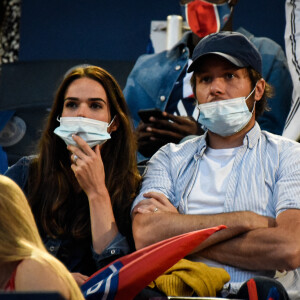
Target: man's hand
155, 202
158, 132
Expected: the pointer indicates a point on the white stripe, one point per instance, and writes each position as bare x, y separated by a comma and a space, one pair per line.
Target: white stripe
108, 282
217, 17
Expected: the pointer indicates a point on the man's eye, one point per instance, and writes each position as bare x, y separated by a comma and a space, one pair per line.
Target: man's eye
205, 79
230, 75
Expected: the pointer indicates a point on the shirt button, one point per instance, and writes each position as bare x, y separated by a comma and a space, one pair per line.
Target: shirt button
112, 251
162, 98
51, 248
177, 67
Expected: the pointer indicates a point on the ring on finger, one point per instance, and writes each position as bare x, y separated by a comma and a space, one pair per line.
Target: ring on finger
75, 158
155, 209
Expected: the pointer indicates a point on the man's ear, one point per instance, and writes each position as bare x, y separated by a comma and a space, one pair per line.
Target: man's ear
114, 125
259, 89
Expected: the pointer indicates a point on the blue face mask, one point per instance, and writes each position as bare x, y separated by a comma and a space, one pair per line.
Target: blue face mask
225, 117
94, 132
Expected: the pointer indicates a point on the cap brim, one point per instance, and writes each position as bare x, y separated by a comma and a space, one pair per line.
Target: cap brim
230, 58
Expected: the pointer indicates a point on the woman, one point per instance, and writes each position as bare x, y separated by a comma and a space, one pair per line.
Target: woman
22, 252
81, 195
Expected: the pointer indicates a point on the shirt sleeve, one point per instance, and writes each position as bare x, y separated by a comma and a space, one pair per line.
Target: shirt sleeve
157, 176
287, 187
292, 44
117, 248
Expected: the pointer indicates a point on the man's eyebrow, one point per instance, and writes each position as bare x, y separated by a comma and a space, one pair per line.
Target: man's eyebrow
207, 70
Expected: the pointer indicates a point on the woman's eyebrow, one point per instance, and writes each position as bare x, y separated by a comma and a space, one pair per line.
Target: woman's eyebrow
89, 99
96, 99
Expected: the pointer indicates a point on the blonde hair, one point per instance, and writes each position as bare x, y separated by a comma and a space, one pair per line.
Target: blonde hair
20, 238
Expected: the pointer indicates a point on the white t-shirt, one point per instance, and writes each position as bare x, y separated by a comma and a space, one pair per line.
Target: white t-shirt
208, 193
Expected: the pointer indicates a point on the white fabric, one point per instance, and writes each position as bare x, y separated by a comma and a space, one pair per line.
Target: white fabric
209, 196
292, 46
291, 282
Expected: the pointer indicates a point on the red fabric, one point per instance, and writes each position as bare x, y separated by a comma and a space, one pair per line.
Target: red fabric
10, 286
127, 276
252, 290
202, 18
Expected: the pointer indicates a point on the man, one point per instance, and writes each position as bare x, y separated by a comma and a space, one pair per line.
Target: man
235, 174
160, 80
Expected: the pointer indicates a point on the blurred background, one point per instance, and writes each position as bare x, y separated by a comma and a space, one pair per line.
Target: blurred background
119, 30
42, 39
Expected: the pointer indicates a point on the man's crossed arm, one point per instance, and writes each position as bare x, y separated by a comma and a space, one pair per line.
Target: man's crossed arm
251, 241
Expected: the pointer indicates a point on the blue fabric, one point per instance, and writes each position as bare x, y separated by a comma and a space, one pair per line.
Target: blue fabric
4, 118
105, 283
153, 77
77, 255
3, 161
266, 172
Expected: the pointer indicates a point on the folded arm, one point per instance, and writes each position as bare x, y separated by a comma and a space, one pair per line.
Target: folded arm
276, 248
150, 227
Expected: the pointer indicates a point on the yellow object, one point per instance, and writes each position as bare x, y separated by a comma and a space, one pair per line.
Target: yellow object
186, 278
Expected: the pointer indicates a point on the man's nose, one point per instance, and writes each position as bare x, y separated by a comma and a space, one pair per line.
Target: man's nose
217, 86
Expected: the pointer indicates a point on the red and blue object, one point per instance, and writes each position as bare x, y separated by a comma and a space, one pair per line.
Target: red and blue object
205, 18
127, 276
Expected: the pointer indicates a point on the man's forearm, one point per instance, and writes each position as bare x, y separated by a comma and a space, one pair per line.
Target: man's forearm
151, 228
276, 248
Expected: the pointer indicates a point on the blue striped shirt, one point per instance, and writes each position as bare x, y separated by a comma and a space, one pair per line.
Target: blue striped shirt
265, 178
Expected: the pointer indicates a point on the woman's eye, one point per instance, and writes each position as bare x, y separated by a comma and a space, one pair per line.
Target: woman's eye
70, 104
96, 105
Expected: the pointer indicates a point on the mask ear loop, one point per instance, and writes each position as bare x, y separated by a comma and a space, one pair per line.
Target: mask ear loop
250, 96
111, 121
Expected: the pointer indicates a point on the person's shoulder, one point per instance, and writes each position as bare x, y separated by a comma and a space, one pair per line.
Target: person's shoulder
19, 171
149, 58
279, 138
24, 161
283, 144
37, 275
188, 147
163, 56
261, 42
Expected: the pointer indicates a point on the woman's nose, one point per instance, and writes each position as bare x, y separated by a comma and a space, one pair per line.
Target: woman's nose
81, 111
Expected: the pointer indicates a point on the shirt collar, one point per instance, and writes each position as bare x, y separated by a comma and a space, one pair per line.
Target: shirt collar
252, 136
250, 140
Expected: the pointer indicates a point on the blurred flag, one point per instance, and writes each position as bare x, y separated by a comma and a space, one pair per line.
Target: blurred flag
127, 276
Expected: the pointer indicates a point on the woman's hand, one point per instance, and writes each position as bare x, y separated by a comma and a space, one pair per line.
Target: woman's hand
87, 166
90, 174
80, 278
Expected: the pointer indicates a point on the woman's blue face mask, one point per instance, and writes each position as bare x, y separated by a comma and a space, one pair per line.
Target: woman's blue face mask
94, 132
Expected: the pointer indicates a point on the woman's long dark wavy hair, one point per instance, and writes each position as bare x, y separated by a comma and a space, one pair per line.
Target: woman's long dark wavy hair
60, 207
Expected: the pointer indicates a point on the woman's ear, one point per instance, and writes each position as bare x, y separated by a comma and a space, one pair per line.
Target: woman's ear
259, 89
114, 125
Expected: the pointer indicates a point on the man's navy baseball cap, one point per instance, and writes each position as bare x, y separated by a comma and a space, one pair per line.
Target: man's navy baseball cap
233, 46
